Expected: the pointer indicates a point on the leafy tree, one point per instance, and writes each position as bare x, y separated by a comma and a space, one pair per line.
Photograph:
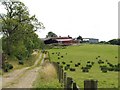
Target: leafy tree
18, 28
80, 38
51, 34
114, 41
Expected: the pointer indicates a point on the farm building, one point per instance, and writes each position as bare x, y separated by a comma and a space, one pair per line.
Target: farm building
59, 40
90, 40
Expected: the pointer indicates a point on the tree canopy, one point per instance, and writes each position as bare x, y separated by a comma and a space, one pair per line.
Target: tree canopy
114, 41
80, 38
51, 34
18, 28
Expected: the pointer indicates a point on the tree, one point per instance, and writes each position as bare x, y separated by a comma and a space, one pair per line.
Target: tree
80, 38
51, 34
18, 28
114, 41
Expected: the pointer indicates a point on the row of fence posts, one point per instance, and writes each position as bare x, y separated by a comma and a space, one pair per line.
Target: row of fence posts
69, 84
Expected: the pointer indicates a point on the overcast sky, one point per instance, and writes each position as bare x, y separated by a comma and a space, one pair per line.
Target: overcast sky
88, 18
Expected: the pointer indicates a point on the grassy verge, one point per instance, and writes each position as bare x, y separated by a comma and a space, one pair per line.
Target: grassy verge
27, 62
47, 78
40, 60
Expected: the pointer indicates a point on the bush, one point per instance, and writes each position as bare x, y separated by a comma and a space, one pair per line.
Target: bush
63, 62
92, 63
79, 63
61, 56
104, 71
88, 61
7, 67
66, 68
10, 66
21, 62
70, 61
72, 69
104, 68
111, 69
68, 65
58, 62
85, 70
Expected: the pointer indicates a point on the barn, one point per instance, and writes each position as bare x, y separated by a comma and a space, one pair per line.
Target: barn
59, 40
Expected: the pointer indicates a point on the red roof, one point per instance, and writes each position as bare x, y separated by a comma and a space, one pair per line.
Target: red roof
64, 39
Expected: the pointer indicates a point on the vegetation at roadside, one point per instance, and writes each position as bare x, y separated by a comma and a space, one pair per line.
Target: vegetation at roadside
47, 78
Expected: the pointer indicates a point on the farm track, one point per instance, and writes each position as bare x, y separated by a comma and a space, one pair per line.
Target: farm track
22, 78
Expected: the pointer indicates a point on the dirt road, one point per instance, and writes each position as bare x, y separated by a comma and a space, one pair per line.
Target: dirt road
22, 78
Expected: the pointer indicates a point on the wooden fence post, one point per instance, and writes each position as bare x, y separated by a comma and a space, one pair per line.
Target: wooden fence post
75, 86
65, 80
59, 73
69, 83
62, 75
90, 85
49, 56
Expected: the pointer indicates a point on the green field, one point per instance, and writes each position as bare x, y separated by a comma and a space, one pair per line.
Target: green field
89, 52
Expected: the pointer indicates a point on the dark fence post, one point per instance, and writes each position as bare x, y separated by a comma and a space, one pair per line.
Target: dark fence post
49, 56
75, 86
65, 80
62, 76
59, 73
69, 83
90, 85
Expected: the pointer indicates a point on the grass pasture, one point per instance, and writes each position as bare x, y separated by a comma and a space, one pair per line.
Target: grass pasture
84, 55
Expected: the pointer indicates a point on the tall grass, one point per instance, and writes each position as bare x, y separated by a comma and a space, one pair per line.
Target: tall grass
47, 78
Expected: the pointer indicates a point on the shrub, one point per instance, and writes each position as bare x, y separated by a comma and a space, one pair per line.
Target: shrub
21, 62
117, 69
104, 71
88, 61
89, 66
72, 69
52, 53
92, 63
70, 61
98, 56
104, 68
76, 65
10, 66
61, 66
79, 63
7, 67
111, 69
58, 57
111, 65
58, 62
61, 56
100, 62
63, 62
66, 67
116, 57
85, 70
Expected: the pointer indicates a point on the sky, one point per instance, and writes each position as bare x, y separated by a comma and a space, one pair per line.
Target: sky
87, 18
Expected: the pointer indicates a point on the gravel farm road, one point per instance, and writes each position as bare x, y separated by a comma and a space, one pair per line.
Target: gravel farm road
22, 78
